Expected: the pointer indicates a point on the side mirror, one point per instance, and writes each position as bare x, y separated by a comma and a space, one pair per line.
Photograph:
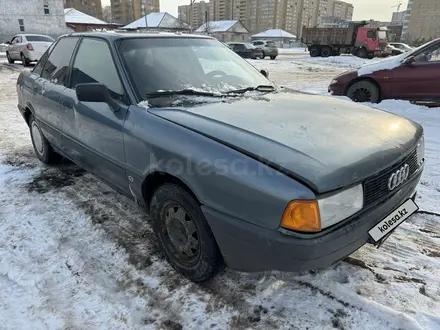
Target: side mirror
265, 73
95, 92
410, 60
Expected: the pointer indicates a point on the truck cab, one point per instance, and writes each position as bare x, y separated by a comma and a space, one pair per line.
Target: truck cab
371, 42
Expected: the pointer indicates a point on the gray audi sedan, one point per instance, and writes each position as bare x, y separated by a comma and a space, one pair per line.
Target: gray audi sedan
232, 169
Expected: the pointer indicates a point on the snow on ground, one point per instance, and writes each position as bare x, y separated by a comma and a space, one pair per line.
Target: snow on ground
74, 254
295, 50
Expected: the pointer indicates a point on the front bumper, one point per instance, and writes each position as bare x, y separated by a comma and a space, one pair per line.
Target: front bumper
250, 248
337, 89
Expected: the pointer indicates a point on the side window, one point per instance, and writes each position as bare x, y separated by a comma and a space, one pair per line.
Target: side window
56, 69
371, 34
90, 68
38, 68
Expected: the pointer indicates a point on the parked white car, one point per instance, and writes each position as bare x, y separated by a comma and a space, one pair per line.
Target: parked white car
27, 48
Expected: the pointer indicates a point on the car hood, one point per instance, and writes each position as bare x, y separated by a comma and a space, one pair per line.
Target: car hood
321, 141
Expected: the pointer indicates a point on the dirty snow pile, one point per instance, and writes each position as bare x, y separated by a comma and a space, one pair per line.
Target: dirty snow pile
74, 254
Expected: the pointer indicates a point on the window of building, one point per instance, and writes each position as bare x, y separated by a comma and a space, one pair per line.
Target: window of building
56, 69
21, 24
46, 10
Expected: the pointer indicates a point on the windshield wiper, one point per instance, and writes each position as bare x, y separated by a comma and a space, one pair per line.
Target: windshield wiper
260, 88
181, 92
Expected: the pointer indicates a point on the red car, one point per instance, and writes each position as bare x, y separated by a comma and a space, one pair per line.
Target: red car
413, 76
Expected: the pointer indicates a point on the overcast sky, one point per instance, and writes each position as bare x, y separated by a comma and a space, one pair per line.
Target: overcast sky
363, 9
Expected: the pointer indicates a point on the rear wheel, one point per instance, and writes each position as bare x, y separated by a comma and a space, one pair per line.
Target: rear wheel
315, 52
263, 57
273, 57
364, 91
326, 52
43, 149
10, 60
24, 60
183, 233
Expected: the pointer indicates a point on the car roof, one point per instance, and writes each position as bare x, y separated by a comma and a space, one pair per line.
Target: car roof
113, 36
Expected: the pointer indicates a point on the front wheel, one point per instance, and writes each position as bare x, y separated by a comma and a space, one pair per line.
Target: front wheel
273, 57
10, 60
183, 233
364, 91
42, 148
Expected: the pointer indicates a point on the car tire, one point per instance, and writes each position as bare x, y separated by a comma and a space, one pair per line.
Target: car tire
326, 52
364, 91
263, 57
42, 147
315, 52
183, 233
24, 60
273, 57
10, 60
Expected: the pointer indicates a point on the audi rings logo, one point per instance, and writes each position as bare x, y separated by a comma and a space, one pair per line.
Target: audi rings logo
398, 177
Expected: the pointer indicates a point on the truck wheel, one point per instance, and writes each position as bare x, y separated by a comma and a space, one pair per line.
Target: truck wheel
326, 52
364, 91
315, 52
183, 234
361, 52
43, 149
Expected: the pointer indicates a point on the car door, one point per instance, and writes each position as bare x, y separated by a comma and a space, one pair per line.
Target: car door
52, 85
13, 48
94, 131
240, 49
419, 80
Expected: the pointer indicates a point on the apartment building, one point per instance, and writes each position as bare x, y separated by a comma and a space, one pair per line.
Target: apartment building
43, 17
398, 18
196, 14
406, 21
89, 7
126, 11
424, 20
262, 15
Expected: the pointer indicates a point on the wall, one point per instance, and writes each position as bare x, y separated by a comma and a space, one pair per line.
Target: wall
34, 18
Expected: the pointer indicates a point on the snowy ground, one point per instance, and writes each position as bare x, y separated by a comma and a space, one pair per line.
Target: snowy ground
76, 255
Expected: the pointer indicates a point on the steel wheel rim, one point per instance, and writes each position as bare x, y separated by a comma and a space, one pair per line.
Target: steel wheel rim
37, 139
180, 234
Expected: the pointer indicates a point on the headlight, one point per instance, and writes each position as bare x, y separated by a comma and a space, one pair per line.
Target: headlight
334, 81
340, 206
421, 151
314, 215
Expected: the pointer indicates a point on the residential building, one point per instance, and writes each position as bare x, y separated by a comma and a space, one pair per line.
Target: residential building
398, 18
423, 21
157, 22
42, 17
340, 9
196, 14
81, 22
107, 14
226, 30
145, 7
89, 7
375, 24
406, 21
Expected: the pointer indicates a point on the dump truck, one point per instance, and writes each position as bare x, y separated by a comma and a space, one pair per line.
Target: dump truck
356, 39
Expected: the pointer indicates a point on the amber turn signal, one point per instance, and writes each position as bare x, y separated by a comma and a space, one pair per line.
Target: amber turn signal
302, 216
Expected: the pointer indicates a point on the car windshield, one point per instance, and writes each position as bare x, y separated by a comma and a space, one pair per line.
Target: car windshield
39, 38
175, 64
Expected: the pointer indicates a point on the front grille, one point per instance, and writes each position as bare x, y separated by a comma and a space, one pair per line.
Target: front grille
376, 187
